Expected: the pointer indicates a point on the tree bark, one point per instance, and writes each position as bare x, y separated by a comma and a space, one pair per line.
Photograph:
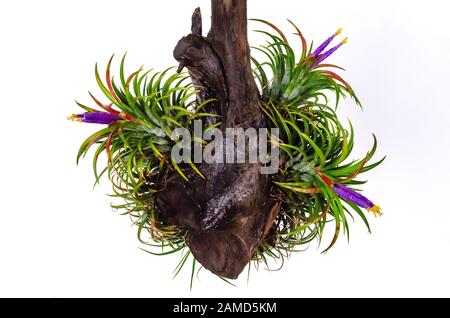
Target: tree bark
226, 215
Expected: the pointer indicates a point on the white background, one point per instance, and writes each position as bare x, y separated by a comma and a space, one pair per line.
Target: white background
58, 237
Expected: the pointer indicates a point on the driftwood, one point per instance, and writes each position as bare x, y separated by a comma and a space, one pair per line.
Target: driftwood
227, 215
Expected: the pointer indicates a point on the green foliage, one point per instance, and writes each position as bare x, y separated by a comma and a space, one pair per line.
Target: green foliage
138, 147
295, 98
285, 78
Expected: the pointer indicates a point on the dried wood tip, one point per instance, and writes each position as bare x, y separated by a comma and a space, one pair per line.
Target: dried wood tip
180, 67
196, 27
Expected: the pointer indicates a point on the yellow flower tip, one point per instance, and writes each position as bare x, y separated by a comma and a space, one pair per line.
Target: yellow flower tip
339, 31
73, 117
376, 210
344, 40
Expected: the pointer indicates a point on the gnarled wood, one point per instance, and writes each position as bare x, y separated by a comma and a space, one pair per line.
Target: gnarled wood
226, 215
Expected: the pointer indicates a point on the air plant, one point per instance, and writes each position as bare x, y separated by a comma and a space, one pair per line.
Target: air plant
315, 184
143, 110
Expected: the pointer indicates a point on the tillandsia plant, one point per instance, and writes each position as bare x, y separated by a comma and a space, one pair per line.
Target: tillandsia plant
315, 179
227, 215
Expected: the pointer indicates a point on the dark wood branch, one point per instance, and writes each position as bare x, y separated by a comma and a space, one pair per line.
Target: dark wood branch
226, 215
228, 37
205, 68
196, 27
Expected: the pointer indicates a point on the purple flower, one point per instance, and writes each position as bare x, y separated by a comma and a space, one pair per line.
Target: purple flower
324, 45
95, 118
350, 195
322, 57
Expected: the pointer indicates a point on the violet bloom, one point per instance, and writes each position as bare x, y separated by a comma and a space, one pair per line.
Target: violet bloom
324, 45
322, 57
350, 195
102, 118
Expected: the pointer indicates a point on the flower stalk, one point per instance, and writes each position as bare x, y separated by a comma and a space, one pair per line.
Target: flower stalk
102, 118
318, 56
325, 44
350, 195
